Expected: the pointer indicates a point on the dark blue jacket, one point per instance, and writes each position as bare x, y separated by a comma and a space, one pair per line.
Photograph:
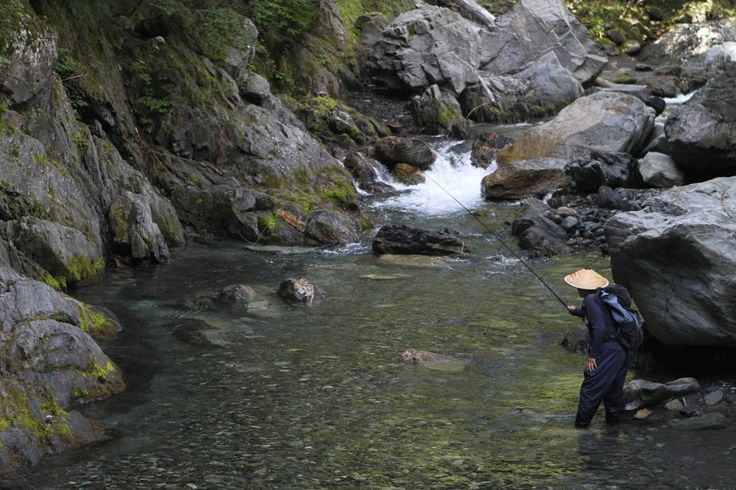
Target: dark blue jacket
599, 321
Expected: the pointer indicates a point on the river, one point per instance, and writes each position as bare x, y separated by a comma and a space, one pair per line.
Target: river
281, 396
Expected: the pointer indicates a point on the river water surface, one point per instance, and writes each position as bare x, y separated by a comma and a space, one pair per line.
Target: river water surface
282, 396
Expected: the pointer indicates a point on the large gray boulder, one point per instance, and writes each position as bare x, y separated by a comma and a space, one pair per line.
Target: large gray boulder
660, 170
404, 240
542, 30
701, 133
608, 122
679, 261
50, 365
427, 46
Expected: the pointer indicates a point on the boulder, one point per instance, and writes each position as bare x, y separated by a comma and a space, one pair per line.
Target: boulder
331, 227
403, 240
640, 393
66, 253
407, 174
701, 133
678, 259
526, 178
607, 122
641, 92
608, 198
542, 29
660, 170
366, 173
133, 229
590, 169
50, 364
426, 46
391, 150
486, 147
237, 295
436, 111
297, 291
538, 234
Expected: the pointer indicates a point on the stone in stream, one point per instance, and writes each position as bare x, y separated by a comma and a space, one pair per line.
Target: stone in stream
391, 150
709, 421
237, 295
431, 360
403, 240
486, 147
640, 393
297, 290
660, 170
713, 397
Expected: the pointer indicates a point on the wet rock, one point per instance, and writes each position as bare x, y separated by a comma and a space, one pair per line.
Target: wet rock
709, 421
436, 111
431, 360
486, 146
365, 172
642, 414
526, 178
606, 122
403, 240
701, 132
641, 393
297, 291
237, 295
713, 397
407, 174
50, 360
537, 233
684, 244
331, 227
660, 170
393, 149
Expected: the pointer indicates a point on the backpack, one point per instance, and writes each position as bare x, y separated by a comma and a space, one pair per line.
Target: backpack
629, 326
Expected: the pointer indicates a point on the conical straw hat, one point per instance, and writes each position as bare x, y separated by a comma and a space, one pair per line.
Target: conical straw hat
586, 279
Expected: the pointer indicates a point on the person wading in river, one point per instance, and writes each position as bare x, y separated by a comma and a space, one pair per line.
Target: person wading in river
605, 371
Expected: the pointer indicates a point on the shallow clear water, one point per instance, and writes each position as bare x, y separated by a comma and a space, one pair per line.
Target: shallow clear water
283, 396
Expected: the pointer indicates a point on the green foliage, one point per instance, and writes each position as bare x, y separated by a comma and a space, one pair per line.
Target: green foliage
66, 65
282, 21
214, 30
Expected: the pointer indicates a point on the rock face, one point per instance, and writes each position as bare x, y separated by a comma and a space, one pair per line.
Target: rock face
543, 30
609, 122
528, 63
701, 133
412, 241
679, 261
51, 364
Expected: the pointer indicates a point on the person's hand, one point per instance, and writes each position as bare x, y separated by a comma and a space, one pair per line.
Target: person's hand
591, 364
571, 309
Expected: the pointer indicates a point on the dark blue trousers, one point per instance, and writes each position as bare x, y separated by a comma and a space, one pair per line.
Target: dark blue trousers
605, 384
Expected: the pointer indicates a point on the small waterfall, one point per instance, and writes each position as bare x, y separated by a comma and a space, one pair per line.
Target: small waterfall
451, 170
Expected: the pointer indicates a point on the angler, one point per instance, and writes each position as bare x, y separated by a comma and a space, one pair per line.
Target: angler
605, 371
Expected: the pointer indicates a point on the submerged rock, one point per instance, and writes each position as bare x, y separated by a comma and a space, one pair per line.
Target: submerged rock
403, 240
431, 360
297, 290
709, 421
237, 295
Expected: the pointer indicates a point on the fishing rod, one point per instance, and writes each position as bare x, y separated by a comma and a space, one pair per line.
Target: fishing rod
495, 235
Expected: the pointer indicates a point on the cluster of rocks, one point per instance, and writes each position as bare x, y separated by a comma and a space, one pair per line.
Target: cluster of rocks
682, 403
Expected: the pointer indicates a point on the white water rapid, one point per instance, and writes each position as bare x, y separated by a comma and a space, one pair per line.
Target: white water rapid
454, 172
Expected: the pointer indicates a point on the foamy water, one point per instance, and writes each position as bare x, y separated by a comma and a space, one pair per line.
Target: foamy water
679, 99
452, 172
